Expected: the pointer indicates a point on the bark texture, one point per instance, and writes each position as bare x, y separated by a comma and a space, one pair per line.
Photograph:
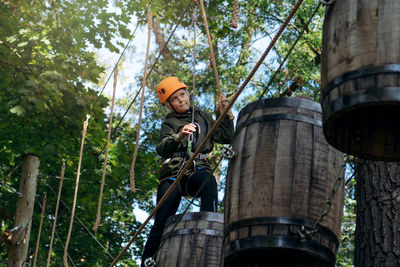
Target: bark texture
378, 214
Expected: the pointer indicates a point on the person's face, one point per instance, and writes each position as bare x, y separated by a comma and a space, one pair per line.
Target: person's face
180, 101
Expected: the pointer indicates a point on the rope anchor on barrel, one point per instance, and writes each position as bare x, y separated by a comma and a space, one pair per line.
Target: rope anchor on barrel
306, 234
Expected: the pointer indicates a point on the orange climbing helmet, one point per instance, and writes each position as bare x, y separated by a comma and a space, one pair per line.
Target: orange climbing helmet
169, 86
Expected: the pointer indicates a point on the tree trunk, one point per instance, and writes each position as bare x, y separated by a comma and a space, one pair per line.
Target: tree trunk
377, 236
160, 40
18, 247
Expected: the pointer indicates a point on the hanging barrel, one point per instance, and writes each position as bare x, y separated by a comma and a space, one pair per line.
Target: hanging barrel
360, 78
195, 240
276, 186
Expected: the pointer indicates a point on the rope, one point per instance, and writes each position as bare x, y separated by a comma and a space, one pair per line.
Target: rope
213, 129
235, 15
85, 124
153, 66
56, 212
40, 229
212, 57
103, 176
81, 223
58, 237
132, 171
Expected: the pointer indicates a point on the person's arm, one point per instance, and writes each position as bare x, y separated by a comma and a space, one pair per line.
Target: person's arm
169, 140
168, 143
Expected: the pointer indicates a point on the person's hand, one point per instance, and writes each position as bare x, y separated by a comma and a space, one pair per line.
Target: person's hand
187, 129
223, 104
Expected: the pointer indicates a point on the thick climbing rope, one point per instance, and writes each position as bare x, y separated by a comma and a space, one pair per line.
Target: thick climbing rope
132, 171
235, 15
212, 57
56, 212
103, 176
40, 229
211, 132
85, 125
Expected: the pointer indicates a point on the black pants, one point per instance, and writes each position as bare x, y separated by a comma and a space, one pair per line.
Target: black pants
189, 186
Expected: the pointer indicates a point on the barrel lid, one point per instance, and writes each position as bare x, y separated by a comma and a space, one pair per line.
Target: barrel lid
197, 216
281, 102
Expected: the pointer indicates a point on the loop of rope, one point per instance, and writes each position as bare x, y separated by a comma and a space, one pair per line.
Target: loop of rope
103, 176
213, 129
212, 57
235, 15
85, 124
56, 212
132, 170
40, 228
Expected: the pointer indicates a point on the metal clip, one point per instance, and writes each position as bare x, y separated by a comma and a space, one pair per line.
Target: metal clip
228, 153
149, 262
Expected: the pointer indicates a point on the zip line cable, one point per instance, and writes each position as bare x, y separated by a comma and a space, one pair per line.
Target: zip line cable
56, 212
213, 129
85, 124
153, 66
81, 223
103, 176
132, 170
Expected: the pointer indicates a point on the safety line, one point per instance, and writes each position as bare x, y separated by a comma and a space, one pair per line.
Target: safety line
213, 129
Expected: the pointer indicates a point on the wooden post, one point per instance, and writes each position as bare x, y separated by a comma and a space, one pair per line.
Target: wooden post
18, 249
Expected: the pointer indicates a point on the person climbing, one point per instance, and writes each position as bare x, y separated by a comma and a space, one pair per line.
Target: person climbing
175, 137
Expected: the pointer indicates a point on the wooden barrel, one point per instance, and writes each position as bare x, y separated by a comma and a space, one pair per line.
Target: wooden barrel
283, 173
195, 240
360, 78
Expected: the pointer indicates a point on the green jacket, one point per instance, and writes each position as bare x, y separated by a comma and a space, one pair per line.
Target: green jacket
173, 124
